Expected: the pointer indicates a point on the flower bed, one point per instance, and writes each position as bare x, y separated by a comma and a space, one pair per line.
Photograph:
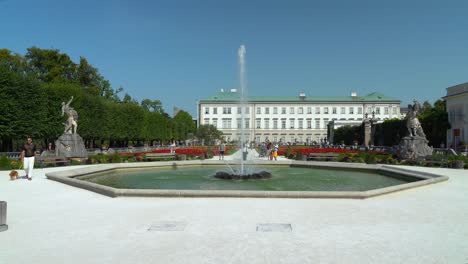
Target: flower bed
307, 151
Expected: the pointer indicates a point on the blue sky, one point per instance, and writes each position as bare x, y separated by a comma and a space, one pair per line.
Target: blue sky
180, 51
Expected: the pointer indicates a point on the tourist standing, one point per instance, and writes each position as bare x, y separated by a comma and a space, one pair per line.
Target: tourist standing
27, 157
172, 147
245, 151
222, 148
275, 151
269, 151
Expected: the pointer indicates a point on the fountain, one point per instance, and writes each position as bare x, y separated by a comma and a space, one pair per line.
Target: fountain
293, 179
244, 172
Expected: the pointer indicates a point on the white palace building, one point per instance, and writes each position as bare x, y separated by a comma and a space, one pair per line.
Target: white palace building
297, 119
457, 109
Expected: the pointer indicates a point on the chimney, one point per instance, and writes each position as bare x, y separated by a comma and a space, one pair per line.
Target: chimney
302, 96
353, 94
233, 90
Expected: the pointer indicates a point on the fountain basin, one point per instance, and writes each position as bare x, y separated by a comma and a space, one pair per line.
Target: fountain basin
412, 179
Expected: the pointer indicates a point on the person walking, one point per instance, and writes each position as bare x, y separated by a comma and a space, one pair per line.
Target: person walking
28, 153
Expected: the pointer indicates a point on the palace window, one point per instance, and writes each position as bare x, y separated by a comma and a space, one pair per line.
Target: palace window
226, 110
226, 123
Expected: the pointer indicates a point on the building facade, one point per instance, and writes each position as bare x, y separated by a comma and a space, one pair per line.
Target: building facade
457, 109
295, 119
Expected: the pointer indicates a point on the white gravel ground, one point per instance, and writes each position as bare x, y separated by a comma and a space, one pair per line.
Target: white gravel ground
50, 222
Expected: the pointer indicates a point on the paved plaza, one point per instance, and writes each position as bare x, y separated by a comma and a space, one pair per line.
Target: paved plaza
50, 222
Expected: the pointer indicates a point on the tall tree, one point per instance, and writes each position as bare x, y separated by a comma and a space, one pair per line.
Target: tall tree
14, 62
152, 105
51, 65
435, 123
347, 135
22, 107
207, 134
183, 125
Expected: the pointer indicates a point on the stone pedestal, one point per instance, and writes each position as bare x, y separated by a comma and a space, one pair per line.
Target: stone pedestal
70, 146
413, 148
367, 132
331, 132
3, 212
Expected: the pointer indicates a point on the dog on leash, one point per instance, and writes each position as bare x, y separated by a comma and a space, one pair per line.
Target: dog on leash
14, 175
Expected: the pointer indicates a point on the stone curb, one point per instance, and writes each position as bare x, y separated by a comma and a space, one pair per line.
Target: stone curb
420, 179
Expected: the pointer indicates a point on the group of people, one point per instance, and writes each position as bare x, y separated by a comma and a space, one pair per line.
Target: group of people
269, 150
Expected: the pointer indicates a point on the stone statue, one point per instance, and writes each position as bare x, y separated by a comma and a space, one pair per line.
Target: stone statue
70, 144
412, 122
71, 125
415, 145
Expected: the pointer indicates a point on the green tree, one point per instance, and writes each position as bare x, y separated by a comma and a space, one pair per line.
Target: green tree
347, 134
90, 79
435, 123
390, 132
22, 107
183, 125
14, 62
126, 122
51, 65
207, 134
152, 105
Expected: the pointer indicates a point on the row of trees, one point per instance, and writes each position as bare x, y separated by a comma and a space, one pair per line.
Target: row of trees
33, 86
433, 118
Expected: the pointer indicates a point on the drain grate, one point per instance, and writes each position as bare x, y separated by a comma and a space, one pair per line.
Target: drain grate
168, 226
274, 227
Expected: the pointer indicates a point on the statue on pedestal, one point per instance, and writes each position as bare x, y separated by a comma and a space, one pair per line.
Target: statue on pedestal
414, 146
70, 144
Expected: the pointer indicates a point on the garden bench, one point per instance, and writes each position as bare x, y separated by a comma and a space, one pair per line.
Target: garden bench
322, 156
159, 156
440, 161
43, 161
